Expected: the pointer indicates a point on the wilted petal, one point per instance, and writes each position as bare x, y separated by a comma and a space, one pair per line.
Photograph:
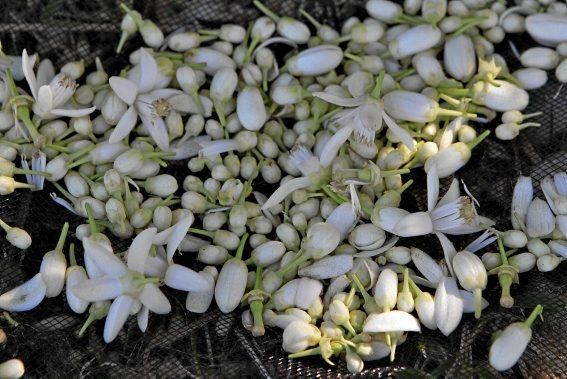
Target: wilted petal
124, 126
117, 315
126, 89
286, 189
24, 297
139, 250
73, 112
152, 298
392, 321
333, 145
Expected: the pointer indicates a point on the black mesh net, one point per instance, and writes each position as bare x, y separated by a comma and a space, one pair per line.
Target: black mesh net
215, 344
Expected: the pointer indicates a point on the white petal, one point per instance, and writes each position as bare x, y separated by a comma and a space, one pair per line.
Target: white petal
481, 241
333, 145
414, 224
45, 72
139, 250
148, 71
561, 182
179, 232
540, 221
24, 297
286, 189
340, 101
448, 136
372, 253
388, 217
399, 132
126, 89
73, 112
432, 188
449, 250
45, 98
98, 289
142, 318
158, 131
27, 68
154, 299
184, 279
521, 199
468, 302
125, 126
426, 265
392, 321
117, 315
343, 218
448, 306
452, 193
104, 259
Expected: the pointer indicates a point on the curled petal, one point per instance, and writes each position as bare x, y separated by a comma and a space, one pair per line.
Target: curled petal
73, 112
24, 297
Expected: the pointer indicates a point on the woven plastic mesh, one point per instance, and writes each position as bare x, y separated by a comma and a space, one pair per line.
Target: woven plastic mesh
214, 344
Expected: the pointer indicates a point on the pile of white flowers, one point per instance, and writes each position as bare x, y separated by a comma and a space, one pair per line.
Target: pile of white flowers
334, 121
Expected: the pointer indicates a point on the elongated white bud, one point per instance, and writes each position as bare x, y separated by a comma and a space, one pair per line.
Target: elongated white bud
328, 267
214, 60
24, 297
524, 262
250, 109
418, 38
74, 276
460, 58
505, 97
472, 276
540, 57
521, 200
386, 290
231, 285
547, 29
425, 308
53, 268
268, 253
315, 61
531, 78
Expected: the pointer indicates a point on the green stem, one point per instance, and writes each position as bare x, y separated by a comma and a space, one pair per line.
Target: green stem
414, 288
378, 86
5, 226
294, 263
478, 139
353, 57
477, 302
267, 11
87, 323
62, 237
453, 113
137, 19
403, 74
92, 221
458, 92
533, 316
65, 193
394, 172
72, 258
257, 307
197, 100
24, 115
6, 316
310, 18
241, 245
23, 171
334, 196
365, 295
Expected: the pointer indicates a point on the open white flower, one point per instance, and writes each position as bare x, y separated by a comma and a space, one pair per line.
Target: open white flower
51, 94
315, 174
362, 119
146, 100
125, 284
452, 214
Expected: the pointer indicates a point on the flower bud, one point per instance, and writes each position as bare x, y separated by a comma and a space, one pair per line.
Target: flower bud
416, 39
12, 369
531, 78
540, 57
367, 237
524, 262
299, 335
386, 290
514, 239
213, 255
315, 61
267, 253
